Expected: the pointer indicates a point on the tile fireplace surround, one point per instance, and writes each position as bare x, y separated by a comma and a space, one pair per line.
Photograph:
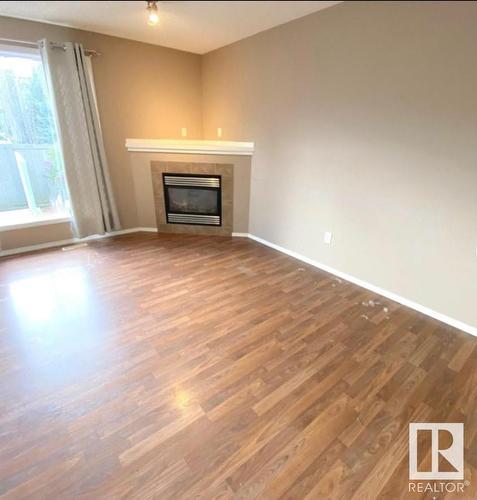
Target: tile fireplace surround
172, 167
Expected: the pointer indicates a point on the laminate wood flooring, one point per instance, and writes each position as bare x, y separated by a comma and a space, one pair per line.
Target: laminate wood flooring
172, 366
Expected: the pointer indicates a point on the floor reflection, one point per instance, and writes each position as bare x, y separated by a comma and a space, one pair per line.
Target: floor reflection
46, 297
56, 324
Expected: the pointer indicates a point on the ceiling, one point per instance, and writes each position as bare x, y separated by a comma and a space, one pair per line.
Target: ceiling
193, 26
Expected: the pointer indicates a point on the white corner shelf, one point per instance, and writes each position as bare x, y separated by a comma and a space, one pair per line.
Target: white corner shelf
190, 147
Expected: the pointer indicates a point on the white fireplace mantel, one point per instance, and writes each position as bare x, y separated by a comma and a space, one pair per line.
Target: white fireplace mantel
189, 146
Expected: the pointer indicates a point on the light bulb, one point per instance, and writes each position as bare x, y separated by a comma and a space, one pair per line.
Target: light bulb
152, 18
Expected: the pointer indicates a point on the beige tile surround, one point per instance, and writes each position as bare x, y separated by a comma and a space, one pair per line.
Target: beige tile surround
227, 184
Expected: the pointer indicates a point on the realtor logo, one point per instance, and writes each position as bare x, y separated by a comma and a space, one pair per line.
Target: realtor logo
447, 451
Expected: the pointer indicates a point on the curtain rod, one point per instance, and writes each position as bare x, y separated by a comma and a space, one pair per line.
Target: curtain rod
33, 45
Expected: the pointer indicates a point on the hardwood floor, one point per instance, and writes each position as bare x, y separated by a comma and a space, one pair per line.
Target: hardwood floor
174, 366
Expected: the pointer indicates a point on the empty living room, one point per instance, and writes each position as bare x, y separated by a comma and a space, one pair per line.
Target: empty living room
238, 250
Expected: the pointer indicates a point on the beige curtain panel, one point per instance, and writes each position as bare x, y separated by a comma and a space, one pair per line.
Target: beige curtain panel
70, 81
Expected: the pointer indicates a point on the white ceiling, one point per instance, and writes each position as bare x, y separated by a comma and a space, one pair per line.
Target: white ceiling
193, 26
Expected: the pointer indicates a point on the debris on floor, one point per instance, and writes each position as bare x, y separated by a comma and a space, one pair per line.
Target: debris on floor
374, 303
370, 303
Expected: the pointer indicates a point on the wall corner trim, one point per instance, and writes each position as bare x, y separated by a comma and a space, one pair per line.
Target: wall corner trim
373, 288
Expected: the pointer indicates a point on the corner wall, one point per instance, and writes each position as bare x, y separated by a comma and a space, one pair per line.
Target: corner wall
364, 117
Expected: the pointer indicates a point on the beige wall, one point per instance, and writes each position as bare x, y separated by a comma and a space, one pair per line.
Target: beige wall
364, 117
143, 91
20, 238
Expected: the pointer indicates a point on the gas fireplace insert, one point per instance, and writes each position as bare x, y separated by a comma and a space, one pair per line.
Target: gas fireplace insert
193, 199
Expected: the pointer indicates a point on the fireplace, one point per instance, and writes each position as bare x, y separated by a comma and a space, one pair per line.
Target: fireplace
193, 199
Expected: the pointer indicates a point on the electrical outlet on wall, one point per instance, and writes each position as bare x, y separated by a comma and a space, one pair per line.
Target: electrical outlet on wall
184, 132
327, 238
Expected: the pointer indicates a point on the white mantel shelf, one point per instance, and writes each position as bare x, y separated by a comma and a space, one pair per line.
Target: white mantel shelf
194, 147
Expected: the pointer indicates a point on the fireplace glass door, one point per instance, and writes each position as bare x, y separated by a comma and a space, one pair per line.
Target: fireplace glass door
192, 199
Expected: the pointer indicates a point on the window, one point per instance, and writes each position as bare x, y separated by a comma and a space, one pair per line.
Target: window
32, 183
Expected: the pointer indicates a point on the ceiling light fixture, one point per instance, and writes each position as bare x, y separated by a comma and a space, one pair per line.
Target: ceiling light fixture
152, 15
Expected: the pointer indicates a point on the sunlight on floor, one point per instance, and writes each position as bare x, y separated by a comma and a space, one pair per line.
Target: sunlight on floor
40, 298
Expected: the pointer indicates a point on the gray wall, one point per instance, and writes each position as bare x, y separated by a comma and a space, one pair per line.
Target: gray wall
364, 117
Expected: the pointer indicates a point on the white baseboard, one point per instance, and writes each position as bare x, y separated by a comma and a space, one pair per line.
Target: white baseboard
347, 277
61, 243
389, 295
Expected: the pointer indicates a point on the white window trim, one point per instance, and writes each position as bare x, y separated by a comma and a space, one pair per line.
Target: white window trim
34, 223
17, 51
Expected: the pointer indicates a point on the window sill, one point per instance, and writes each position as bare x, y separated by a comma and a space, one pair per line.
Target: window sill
35, 223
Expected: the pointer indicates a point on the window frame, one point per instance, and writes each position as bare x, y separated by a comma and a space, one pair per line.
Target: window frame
34, 221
